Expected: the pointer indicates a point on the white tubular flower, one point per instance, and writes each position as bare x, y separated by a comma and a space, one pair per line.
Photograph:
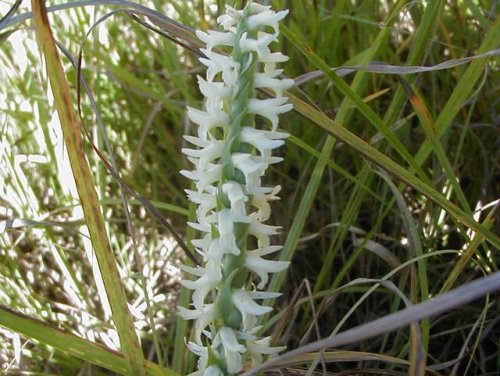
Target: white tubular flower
217, 63
262, 267
267, 18
230, 158
265, 80
207, 120
269, 108
247, 305
216, 38
232, 349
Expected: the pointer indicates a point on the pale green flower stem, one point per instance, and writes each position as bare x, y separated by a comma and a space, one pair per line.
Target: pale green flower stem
234, 274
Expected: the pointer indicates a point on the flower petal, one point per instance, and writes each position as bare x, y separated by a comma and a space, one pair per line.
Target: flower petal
246, 305
216, 38
229, 340
226, 232
264, 294
269, 108
262, 267
213, 370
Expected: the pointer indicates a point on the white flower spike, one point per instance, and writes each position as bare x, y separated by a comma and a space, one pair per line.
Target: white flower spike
230, 157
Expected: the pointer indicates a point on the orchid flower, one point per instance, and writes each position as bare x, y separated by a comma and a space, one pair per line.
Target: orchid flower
230, 158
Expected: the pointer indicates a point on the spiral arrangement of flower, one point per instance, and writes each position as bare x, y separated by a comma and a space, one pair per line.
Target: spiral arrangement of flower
230, 157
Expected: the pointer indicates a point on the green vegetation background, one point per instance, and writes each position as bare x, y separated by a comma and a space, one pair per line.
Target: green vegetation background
403, 205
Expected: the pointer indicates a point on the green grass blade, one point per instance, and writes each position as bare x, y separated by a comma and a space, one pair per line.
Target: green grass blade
349, 217
417, 284
462, 91
309, 149
429, 129
421, 41
358, 102
317, 174
72, 345
467, 254
372, 154
88, 196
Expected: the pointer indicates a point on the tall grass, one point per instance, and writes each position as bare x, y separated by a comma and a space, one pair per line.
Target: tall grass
389, 197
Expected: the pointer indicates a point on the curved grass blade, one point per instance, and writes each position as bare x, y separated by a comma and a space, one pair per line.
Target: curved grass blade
421, 44
88, 196
124, 201
417, 350
5, 19
384, 68
349, 356
439, 304
111, 166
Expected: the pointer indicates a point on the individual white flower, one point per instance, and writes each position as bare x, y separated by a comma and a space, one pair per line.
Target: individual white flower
257, 228
206, 155
232, 349
206, 205
203, 317
260, 200
204, 177
265, 80
200, 226
208, 120
217, 63
238, 200
258, 347
259, 45
251, 167
263, 267
201, 352
214, 89
203, 285
201, 198
263, 141
269, 108
247, 305
266, 18
226, 233
227, 21
216, 38
203, 243
262, 233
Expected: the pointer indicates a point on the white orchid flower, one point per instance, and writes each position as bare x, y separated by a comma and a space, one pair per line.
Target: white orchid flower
230, 158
